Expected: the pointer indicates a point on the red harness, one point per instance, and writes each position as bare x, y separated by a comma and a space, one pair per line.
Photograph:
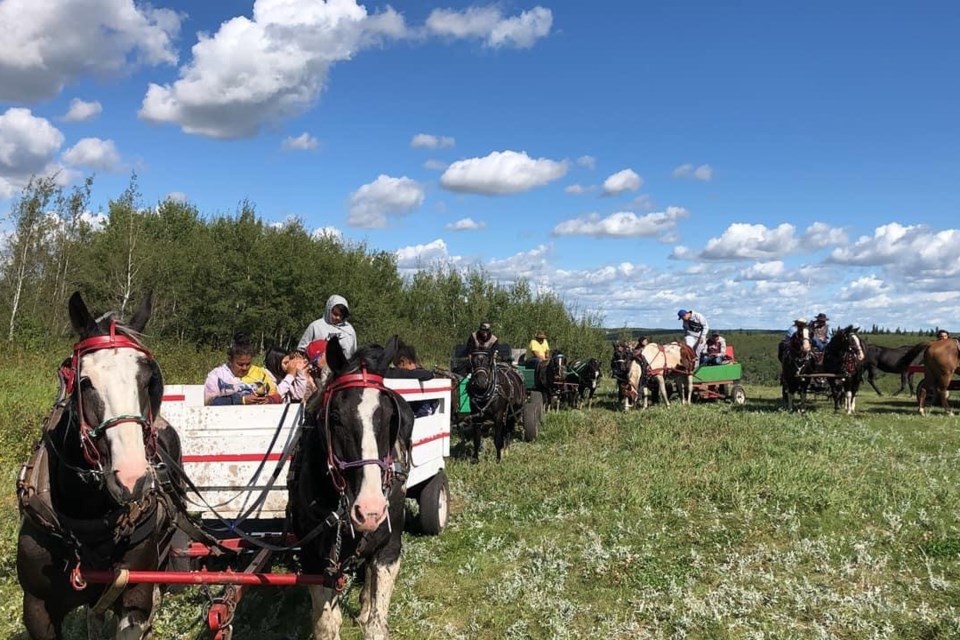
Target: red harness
361, 380
70, 375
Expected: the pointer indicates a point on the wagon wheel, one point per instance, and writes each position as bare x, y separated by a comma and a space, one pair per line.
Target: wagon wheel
532, 416
434, 501
737, 395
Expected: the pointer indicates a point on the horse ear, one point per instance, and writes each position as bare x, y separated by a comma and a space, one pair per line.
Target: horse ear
335, 358
140, 317
83, 323
155, 388
390, 351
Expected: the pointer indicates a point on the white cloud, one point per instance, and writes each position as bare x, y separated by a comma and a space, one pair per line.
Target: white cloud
703, 173
820, 235
46, 45
80, 111
371, 204
916, 251
424, 256
587, 161
756, 241
429, 141
303, 142
623, 224
465, 224
578, 189
500, 173
489, 25
626, 180
331, 233
28, 145
764, 270
435, 165
177, 196
268, 68
532, 265
94, 153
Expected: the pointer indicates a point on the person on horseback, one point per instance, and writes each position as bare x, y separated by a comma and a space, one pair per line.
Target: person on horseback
483, 339
695, 329
943, 334
642, 341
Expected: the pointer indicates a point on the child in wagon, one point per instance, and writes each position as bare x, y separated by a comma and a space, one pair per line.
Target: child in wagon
238, 380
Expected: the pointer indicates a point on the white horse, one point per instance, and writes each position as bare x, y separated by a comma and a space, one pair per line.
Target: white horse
663, 361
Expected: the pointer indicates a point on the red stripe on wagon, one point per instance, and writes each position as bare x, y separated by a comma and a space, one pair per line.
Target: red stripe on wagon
174, 398
230, 457
429, 439
412, 391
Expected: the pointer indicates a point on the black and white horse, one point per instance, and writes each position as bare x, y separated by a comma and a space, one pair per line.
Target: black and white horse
843, 359
892, 360
627, 372
497, 394
552, 380
92, 495
797, 365
346, 488
586, 375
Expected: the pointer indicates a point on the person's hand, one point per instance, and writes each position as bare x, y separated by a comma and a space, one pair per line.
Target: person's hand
253, 399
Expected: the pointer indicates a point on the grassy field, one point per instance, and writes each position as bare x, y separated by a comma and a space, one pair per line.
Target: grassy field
708, 521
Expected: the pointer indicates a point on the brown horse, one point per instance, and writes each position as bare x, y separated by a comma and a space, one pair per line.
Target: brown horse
940, 361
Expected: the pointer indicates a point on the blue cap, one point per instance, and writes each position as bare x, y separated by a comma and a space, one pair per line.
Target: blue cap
681, 313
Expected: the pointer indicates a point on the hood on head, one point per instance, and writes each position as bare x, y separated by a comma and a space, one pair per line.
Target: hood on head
333, 301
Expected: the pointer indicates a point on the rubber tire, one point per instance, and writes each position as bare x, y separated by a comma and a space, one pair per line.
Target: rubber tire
434, 501
532, 416
737, 395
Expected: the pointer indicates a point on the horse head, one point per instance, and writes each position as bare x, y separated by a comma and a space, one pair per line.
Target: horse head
482, 373
620, 362
367, 428
557, 367
116, 387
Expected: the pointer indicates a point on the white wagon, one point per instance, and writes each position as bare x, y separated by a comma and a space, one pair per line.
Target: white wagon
227, 453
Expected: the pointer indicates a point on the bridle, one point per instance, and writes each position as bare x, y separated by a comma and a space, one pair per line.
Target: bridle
362, 380
89, 435
483, 360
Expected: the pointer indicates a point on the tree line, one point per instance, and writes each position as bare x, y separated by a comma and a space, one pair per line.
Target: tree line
215, 274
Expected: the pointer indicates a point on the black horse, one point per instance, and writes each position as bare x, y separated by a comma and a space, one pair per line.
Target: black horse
586, 375
843, 360
798, 364
627, 372
496, 394
95, 495
346, 487
552, 380
892, 360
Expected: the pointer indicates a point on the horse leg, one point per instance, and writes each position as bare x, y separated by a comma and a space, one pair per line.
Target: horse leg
326, 614
921, 395
140, 604
945, 398
498, 437
375, 599
42, 621
663, 390
689, 389
477, 423
871, 375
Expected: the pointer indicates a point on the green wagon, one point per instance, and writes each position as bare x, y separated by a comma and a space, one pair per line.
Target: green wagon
720, 381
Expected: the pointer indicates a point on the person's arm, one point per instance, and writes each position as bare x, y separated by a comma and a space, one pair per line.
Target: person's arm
307, 337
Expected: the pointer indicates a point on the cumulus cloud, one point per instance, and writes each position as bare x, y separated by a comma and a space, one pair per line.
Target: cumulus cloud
429, 141
264, 69
915, 249
28, 146
578, 189
626, 180
623, 224
424, 255
80, 111
742, 241
94, 153
331, 233
50, 44
274, 65
490, 26
764, 271
303, 142
370, 205
587, 161
465, 224
703, 173
501, 173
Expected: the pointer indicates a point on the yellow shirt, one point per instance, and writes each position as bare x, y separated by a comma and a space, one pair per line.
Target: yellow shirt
538, 349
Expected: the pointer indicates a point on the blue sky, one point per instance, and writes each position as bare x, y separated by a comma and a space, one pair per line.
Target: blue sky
755, 161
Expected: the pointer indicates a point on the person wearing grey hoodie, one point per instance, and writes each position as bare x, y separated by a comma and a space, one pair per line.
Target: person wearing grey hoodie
333, 323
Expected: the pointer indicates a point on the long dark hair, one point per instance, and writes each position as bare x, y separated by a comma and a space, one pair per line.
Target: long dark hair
273, 360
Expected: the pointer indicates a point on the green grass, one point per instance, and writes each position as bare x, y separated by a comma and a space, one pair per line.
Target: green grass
708, 521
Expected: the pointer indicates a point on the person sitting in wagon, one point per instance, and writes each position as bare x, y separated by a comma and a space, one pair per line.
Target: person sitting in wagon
716, 350
820, 332
238, 380
289, 372
483, 339
537, 351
